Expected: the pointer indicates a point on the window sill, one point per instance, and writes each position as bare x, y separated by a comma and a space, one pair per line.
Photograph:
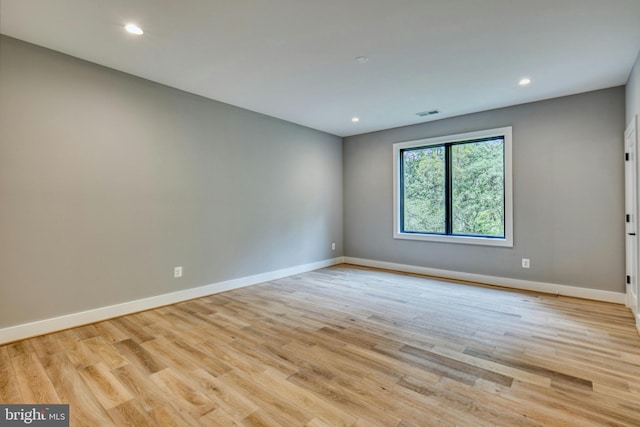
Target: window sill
465, 240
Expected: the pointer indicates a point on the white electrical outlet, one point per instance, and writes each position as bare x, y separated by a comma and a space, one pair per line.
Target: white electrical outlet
525, 263
177, 272
333, 246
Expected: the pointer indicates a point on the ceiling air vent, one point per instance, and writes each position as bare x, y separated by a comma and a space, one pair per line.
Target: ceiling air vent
427, 113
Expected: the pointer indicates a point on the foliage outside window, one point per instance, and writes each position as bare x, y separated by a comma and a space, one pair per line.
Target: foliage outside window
455, 188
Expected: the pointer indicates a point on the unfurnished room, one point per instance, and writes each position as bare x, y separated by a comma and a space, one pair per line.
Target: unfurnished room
319, 213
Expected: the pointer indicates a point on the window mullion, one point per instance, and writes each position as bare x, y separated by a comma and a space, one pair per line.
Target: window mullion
401, 189
448, 188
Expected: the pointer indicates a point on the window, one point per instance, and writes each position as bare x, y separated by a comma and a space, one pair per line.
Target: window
455, 188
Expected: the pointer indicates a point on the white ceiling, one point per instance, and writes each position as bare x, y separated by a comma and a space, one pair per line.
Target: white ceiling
294, 59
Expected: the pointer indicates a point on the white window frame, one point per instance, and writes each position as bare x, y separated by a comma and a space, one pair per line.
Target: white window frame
507, 241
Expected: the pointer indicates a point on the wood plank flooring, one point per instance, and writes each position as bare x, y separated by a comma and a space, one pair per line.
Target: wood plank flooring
342, 346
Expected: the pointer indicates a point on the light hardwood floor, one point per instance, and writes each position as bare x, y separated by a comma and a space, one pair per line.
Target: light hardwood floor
342, 346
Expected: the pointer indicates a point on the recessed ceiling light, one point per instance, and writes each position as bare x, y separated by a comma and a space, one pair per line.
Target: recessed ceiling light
525, 81
355, 119
361, 59
133, 29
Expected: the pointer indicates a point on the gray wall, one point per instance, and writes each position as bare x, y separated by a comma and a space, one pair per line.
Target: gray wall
633, 91
568, 194
108, 181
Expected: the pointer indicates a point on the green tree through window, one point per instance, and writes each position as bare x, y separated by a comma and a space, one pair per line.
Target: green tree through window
424, 190
477, 182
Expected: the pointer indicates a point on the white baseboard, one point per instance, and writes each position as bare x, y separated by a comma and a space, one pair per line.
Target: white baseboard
41, 327
630, 305
549, 288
